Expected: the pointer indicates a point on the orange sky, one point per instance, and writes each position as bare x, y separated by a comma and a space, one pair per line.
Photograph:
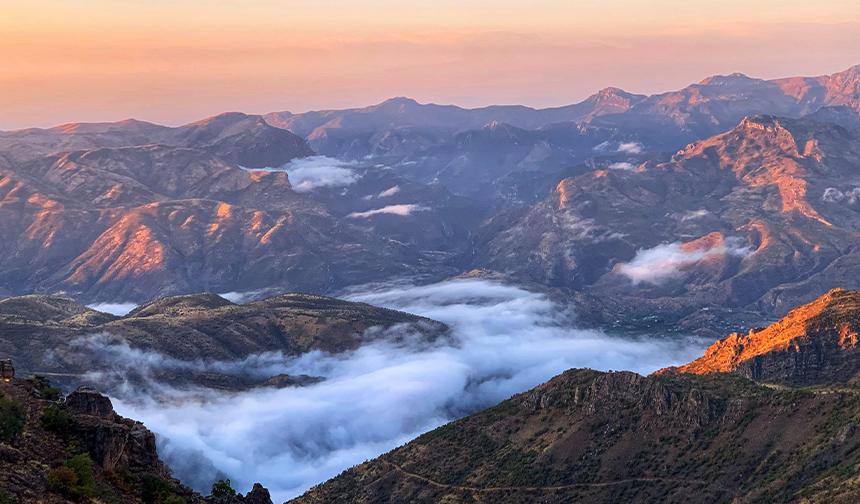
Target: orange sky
176, 61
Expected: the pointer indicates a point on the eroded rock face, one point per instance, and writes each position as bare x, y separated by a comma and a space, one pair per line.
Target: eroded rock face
815, 343
113, 442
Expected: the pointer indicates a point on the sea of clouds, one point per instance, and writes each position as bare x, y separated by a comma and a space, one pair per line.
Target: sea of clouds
504, 340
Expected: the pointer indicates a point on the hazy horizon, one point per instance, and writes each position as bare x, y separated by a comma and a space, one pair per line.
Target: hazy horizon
176, 62
360, 105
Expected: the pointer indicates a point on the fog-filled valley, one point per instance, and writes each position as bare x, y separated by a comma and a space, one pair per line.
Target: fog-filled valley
504, 340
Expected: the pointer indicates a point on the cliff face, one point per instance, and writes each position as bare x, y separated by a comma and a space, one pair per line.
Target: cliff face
815, 343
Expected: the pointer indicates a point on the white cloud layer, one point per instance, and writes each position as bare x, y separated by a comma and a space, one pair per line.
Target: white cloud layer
665, 261
622, 166
695, 214
120, 309
631, 147
504, 340
307, 174
401, 210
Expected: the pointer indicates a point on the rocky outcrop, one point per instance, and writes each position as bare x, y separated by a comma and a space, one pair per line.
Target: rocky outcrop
86, 401
815, 343
7, 370
257, 495
123, 452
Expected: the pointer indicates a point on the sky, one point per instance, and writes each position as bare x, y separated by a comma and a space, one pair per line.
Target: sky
175, 61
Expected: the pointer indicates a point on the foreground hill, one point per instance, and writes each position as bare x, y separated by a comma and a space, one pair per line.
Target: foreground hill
49, 335
588, 436
80, 450
619, 437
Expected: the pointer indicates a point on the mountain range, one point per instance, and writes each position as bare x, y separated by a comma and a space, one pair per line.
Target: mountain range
711, 208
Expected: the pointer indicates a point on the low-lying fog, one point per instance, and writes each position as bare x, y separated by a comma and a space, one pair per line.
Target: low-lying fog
505, 341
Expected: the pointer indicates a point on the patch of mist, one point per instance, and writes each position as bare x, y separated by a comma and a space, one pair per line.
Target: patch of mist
631, 147
622, 166
663, 262
834, 195
307, 174
401, 210
504, 340
389, 192
119, 309
694, 214
242, 297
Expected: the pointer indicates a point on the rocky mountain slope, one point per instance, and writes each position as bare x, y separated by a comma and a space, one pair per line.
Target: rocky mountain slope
746, 224
588, 436
597, 437
815, 343
134, 211
61, 338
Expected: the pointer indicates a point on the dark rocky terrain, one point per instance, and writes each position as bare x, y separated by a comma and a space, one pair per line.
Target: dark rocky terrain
588, 436
54, 336
56, 449
117, 459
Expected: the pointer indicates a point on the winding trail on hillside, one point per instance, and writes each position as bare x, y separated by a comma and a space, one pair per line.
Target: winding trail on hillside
554, 487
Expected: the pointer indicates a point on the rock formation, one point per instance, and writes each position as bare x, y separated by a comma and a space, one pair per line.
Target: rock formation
815, 343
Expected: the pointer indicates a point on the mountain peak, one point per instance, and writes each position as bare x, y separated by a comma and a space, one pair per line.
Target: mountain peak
734, 79
815, 343
221, 120
398, 104
498, 125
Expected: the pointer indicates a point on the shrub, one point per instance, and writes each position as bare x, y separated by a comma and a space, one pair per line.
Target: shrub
51, 394
156, 490
120, 480
62, 479
12, 417
105, 494
222, 488
5, 499
74, 477
54, 419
